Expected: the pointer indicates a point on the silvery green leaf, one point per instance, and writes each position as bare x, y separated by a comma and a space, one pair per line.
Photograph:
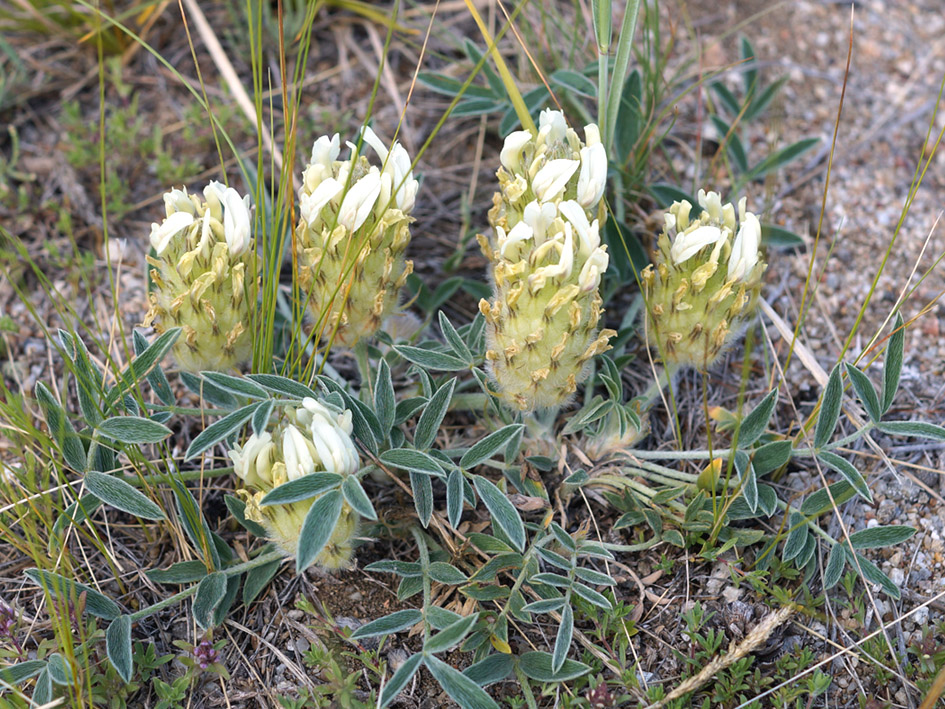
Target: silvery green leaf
60, 428
893, 367
133, 429
504, 514
60, 670
451, 636
407, 569
156, 377
872, 573
592, 596
458, 686
319, 525
746, 473
21, 671
767, 500
755, 423
539, 667
563, 638
43, 691
916, 429
385, 404
223, 608
546, 605
447, 574
389, 624
119, 494
143, 364
208, 391
454, 497
595, 577
262, 415
413, 461
807, 553
819, 501
181, 572
441, 618
493, 668
456, 343
118, 646
846, 469
432, 416
834, 569
210, 593
866, 392
829, 409
422, 489
399, 680
882, 536
65, 589
219, 430
282, 385
771, 456
489, 446
406, 408
235, 385
357, 498
431, 359
796, 538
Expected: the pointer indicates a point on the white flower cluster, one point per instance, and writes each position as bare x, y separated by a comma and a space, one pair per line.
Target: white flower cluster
371, 190
224, 211
547, 162
317, 440
715, 229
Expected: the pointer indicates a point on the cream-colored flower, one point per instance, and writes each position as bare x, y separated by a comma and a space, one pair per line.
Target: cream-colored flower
204, 277
705, 280
351, 237
312, 438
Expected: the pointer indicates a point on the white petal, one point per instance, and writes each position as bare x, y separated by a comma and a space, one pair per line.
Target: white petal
325, 151
370, 137
553, 178
162, 234
591, 134
178, 201
690, 243
359, 201
552, 126
310, 205
593, 178
745, 248
520, 232
593, 269
295, 450
511, 155
588, 233
711, 202
236, 222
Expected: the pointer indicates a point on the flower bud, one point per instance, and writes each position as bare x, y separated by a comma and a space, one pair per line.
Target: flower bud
704, 283
352, 235
312, 439
204, 277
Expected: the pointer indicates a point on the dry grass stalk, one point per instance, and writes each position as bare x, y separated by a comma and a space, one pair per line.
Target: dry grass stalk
757, 637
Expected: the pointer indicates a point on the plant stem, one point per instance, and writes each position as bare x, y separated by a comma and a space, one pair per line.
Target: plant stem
260, 560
